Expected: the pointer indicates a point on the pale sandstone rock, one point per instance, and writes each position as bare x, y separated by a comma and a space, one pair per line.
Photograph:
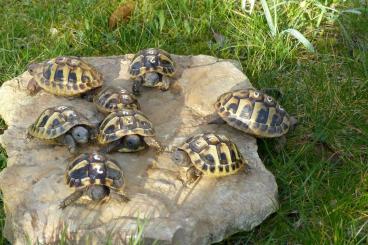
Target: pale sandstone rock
33, 183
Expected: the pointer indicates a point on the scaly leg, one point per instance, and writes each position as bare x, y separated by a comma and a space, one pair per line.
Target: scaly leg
113, 146
33, 87
152, 142
71, 198
119, 196
165, 83
214, 119
192, 175
70, 142
137, 86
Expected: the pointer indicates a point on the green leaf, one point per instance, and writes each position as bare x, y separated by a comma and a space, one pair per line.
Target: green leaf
267, 13
187, 26
161, 19
301, 38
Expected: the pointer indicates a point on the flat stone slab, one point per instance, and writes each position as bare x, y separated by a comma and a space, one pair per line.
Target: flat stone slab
208, 211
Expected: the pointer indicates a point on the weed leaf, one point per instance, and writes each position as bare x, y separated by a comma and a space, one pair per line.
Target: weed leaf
301, 39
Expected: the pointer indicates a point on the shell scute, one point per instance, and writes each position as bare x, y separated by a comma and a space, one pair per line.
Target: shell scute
56, 121
94, 168
253, 112
213, 154
125, 122
57, 76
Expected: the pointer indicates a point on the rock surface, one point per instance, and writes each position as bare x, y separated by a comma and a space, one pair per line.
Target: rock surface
33, 182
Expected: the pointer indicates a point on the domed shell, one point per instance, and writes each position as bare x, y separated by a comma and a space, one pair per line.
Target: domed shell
66, 76
253, 112
125, 122
152, 60
94, 168
56, 121
112, 99
214, 155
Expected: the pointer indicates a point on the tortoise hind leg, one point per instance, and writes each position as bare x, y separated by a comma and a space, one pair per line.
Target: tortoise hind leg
33, 87
71, 198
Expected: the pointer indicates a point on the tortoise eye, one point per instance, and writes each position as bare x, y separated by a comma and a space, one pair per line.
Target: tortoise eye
256, 94
280, 108
269, 99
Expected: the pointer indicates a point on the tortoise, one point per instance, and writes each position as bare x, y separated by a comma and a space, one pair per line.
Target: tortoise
253, 112
127, 130
152, 67
111, 99
209, 154
62, 124
64, 76
96, 176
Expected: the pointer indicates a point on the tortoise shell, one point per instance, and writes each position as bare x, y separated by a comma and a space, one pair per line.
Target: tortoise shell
214, 155
253, 112
112, 99
152, 60
56, 121
65, 76
94, 168
124, 122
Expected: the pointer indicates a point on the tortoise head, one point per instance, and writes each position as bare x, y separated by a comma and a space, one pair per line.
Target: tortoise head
152, 79
180, 158
98, 192
80, 134
34, 68
132, 143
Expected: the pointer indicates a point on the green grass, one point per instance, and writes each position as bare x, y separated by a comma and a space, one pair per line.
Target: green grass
322, 173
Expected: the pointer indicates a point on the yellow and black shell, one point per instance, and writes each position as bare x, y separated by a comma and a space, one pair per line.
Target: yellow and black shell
124, 122
94, 169
152, 60
253, 112
214, 155
66, 76
56, 121
112, 99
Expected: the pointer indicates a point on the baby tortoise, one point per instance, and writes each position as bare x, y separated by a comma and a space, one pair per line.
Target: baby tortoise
152, 68
209, 154
111, 99
62, 124
253, 112
96, 176
64, 76
127, 131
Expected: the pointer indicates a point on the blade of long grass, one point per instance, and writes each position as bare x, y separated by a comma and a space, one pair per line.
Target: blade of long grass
268, 16
300, 37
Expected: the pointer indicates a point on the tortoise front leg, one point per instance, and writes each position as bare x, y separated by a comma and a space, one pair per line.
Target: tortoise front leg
119, 196
33, 87
70, 142
113, 146
165, 83
192, 175
71, 198
152, 142
137, 86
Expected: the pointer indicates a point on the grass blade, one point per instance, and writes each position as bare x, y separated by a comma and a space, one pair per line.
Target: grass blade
301, 39
267, 13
